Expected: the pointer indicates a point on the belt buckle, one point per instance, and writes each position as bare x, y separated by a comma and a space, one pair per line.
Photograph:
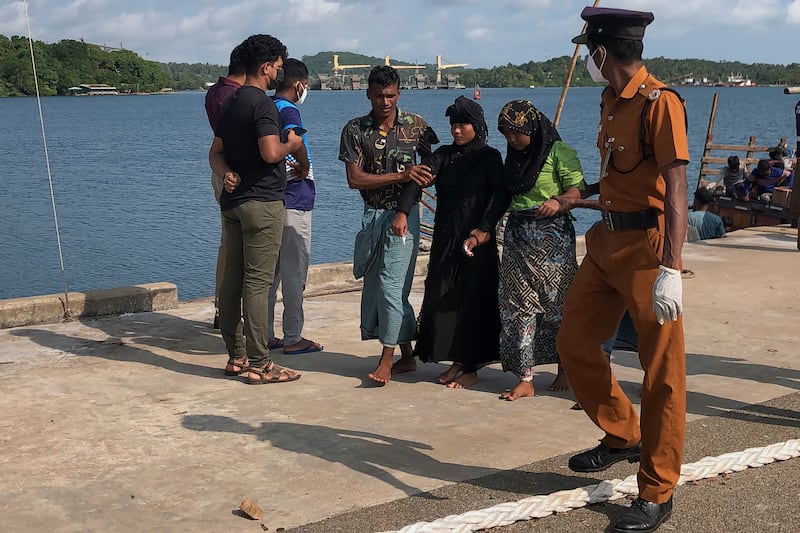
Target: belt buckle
607, 219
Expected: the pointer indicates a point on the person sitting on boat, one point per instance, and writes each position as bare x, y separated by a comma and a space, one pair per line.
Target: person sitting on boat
731, 177
780, 156
766, 178
707, 224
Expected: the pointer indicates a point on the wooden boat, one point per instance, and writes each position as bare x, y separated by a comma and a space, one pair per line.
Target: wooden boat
784, 208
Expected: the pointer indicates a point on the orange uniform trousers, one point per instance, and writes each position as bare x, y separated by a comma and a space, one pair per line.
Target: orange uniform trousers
618, 274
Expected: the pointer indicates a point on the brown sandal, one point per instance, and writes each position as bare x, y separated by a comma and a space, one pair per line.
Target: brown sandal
234, 363
272, 373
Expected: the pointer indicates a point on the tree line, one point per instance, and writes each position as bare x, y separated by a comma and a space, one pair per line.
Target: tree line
553, 72
70, 63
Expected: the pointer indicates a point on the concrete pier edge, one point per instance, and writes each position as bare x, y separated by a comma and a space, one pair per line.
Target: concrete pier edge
53, 308
326, 278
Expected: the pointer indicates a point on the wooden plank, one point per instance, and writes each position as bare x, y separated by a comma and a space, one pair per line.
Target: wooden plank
709, 137
739, 148
748, 160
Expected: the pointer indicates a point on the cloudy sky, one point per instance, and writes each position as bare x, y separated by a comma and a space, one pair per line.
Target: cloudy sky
483, 33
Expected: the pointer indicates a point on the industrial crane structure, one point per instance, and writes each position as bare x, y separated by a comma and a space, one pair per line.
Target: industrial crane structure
340, 78
389, 64
441, 66
337, 67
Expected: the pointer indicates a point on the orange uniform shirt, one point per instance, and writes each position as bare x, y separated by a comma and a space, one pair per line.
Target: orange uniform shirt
627, 187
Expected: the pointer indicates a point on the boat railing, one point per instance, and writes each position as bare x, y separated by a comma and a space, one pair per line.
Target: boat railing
748, 156
749, 211
748, 153
427, 201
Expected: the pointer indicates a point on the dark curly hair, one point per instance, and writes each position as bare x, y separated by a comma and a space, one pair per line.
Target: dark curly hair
294, 70
259, 49
703, 196
383, 76
236, 65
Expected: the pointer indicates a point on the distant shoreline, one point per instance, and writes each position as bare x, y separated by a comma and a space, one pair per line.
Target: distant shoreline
201, 90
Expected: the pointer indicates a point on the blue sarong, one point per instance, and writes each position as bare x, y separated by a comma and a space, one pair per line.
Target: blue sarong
386, 262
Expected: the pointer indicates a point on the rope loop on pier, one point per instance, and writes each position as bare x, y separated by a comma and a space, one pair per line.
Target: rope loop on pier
566, 500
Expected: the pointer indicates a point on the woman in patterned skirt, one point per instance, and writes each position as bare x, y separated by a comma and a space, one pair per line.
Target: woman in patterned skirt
538, 261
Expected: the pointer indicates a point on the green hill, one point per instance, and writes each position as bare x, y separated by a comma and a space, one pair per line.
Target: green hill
553, 72
68, 63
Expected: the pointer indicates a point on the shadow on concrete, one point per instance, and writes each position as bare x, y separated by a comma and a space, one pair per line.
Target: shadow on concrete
492, 380
333, 363
365, 452
731, 243
710, 405
733, 367
138, 339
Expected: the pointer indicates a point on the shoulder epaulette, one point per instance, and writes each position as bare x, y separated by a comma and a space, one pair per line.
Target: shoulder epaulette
651, 96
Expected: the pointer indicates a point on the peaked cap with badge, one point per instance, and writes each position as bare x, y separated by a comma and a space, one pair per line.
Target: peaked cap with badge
611, 22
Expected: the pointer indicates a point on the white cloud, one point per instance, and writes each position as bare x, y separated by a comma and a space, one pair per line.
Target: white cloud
311, 11
477, 34
793, 12
481, 33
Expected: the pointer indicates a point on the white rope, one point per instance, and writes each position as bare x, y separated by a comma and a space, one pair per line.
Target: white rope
566, 500
47, 161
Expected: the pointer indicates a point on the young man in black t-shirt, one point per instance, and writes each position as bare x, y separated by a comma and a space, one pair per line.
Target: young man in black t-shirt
248, 153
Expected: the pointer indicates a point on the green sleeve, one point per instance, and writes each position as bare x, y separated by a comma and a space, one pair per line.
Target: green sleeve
567, 166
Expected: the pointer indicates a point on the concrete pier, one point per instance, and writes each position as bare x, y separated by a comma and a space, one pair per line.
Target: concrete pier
128, 423
53, 308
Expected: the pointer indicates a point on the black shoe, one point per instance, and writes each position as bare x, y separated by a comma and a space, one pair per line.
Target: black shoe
602, 457
644, 516
216, 321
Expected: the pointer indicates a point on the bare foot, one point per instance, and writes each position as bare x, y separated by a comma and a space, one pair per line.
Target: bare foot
464, 381
450, 374
382, 373
405, 364
559, 384
523, 389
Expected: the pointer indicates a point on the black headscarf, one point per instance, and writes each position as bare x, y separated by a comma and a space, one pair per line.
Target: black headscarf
522, 168
462, 111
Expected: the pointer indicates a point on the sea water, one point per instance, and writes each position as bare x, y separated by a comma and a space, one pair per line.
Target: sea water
132, 183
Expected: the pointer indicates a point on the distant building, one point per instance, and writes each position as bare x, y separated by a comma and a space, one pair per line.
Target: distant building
93, 89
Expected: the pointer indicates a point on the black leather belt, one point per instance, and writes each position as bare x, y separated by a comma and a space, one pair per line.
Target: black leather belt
630, 221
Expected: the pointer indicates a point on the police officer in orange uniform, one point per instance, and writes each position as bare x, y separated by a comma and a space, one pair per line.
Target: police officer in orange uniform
633, 262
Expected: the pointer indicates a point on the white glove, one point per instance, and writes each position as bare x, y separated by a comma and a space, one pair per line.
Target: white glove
667, 294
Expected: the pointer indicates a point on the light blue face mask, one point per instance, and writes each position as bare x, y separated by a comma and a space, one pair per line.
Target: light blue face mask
594, 71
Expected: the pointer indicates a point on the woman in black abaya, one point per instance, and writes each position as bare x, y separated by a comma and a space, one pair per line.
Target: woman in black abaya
459, 320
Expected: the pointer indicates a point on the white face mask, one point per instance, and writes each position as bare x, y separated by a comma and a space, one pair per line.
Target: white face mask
301, 97
594, 71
